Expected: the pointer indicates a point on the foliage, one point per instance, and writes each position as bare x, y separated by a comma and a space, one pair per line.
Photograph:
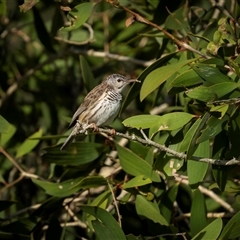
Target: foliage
171, 171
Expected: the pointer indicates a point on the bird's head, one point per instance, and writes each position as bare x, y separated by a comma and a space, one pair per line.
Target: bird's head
118, 82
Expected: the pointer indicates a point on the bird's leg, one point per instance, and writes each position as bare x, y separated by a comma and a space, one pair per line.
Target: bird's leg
112, 132
95, 127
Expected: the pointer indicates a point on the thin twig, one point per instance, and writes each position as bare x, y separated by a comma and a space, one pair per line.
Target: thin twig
89, 40
209, 193
209, 215
116, 204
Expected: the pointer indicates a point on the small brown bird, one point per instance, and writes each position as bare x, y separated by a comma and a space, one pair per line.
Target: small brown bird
101, 106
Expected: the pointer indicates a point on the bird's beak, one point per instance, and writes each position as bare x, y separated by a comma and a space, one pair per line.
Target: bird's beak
133, 80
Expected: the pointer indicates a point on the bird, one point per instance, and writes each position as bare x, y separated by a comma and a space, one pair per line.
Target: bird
100, 107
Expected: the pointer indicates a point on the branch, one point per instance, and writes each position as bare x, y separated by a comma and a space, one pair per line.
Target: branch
113, 56
139, 18
163, 148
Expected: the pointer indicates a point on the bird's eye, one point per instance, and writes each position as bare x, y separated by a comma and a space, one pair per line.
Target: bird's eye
119, 80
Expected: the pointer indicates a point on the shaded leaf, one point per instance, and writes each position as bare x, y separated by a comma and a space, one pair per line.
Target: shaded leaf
70, 186
4, 125
87, 74
149, 210
107, 227
28, 144
198, 219
197, 170
78, 153
134, 165
167, 201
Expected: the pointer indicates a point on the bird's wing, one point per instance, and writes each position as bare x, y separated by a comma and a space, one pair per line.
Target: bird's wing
90, 99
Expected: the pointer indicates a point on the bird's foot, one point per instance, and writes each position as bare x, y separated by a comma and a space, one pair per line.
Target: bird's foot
112, 132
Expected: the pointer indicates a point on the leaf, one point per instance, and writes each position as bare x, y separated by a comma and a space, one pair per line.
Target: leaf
201, 93
130, 21
189, 142
4, 125
210, 74
186, 79
221, 108
70, 186
134, 91
78, 153
167, 202
211, 231
147, 209
79, 15
28, 145
7, 136
231, 230
141, 121
158, 76
222, 89
170, 121
197, 170
87, 74
136, 182
214, 126
198, 219
107, 227
6, 204
134, 165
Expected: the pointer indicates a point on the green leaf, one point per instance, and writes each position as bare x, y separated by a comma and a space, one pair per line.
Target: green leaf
7, 136
4, 125
210, 74
87, 74
221, 108
79, 15
186, 79
197, 170
136, 182
189, 142
222, 89
149, 210
211, 231
214, 126
107, 227
170, 121
198, 219
5, 204
158, 76
231, 230
134, 165
78, 153
29, 144
134, 91
167, 202
141, 121
204, 94
70, 186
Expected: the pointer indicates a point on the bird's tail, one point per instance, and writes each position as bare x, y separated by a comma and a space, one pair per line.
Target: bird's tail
68, 141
